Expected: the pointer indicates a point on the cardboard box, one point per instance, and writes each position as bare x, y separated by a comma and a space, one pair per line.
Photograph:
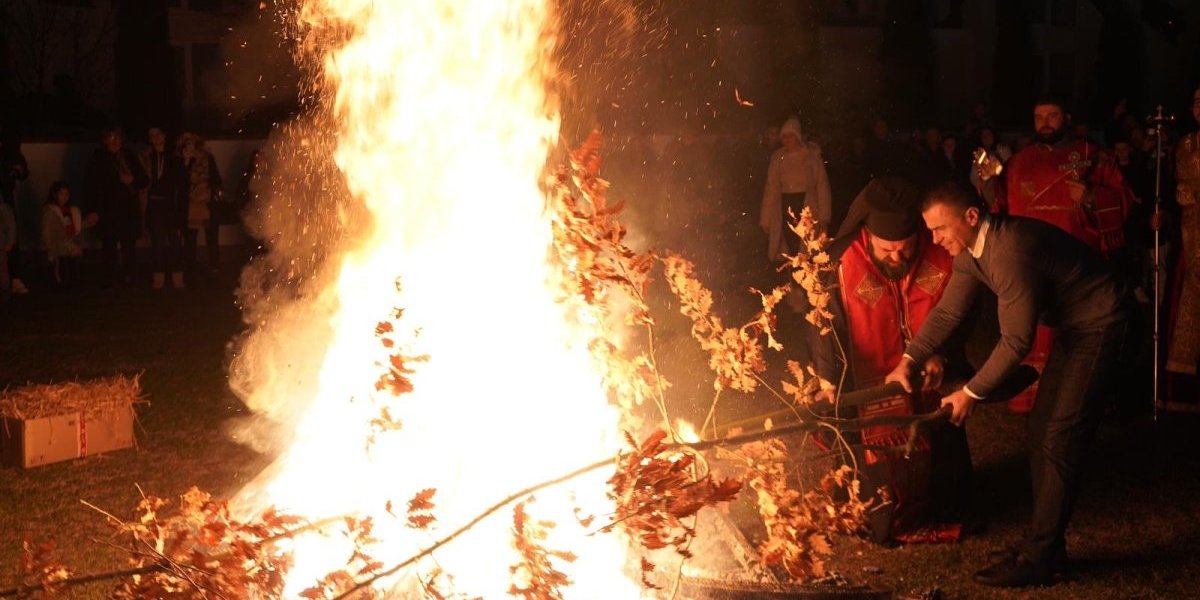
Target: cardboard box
34, 442
105, 432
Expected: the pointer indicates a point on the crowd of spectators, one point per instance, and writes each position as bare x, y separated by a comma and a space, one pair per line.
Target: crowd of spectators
163, 196
722, 199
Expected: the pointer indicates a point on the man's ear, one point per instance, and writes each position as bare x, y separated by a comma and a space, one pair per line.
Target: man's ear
972, 216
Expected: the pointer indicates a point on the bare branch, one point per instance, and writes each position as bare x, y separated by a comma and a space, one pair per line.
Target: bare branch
914, 422
85, 579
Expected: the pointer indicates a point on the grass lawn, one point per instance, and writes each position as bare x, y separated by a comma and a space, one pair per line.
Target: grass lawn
1136, 531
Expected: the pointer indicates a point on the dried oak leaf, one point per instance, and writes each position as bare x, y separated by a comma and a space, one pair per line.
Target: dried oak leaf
536, 576
655, 488
419, 507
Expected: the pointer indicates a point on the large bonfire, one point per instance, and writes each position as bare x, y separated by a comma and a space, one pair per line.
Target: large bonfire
454, 366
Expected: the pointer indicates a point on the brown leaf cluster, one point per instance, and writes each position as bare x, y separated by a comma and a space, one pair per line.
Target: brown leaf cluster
203, 551
632, 380
809, 266
735, 354
764, 322
807, 384
41, 572
589, 240
536, 576
600, 272
799, 525
394, 381
420, 507
337, 583
395, 378
655, 488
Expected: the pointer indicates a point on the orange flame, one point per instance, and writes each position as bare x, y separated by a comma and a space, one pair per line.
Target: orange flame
444, 128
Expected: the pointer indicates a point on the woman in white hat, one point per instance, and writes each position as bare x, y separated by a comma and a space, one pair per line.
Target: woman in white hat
796, 178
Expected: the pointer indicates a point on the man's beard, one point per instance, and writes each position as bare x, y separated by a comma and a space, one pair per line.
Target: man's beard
893, 273
1053, 138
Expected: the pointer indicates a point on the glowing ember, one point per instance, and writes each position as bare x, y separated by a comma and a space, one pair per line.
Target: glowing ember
444, 131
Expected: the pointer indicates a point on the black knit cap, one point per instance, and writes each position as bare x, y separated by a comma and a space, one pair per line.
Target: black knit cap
893, 208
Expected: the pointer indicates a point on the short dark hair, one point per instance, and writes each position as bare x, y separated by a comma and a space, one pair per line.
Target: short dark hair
1052, 100
52, 196
952, 193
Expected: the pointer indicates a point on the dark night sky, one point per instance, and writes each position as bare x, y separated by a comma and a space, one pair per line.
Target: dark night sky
637, 65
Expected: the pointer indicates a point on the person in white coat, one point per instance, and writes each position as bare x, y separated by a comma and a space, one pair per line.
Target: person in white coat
62, 233
796, 178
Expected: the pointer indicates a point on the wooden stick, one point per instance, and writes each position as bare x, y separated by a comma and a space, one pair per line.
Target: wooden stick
84, 579
912, 421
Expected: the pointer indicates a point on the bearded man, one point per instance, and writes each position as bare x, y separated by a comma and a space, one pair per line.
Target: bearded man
1070, 184
890, 275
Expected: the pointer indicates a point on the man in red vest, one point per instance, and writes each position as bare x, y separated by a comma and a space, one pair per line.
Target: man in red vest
890, 276
1068, 183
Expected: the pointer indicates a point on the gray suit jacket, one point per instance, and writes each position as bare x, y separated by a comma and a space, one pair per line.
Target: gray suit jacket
1038, 272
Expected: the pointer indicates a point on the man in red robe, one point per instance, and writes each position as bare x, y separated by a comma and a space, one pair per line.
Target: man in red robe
1183, 331
1068, 183
890, 276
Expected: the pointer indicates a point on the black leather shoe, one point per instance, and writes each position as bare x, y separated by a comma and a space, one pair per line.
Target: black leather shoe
1014, 572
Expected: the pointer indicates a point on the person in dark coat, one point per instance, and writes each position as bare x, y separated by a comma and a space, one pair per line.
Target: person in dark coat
114, 177
1038, 273
13, 168
165, 208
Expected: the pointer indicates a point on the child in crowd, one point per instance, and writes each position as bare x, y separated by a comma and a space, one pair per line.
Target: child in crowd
62, 228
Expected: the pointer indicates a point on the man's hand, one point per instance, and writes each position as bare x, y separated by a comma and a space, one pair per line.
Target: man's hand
935, 369
126, 179
902, 373
961, 406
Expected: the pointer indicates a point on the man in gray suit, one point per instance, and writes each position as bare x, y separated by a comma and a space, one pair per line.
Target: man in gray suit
1038, 272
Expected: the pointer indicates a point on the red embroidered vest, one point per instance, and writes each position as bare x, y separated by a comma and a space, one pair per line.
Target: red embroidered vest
882, 315
1038, 187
